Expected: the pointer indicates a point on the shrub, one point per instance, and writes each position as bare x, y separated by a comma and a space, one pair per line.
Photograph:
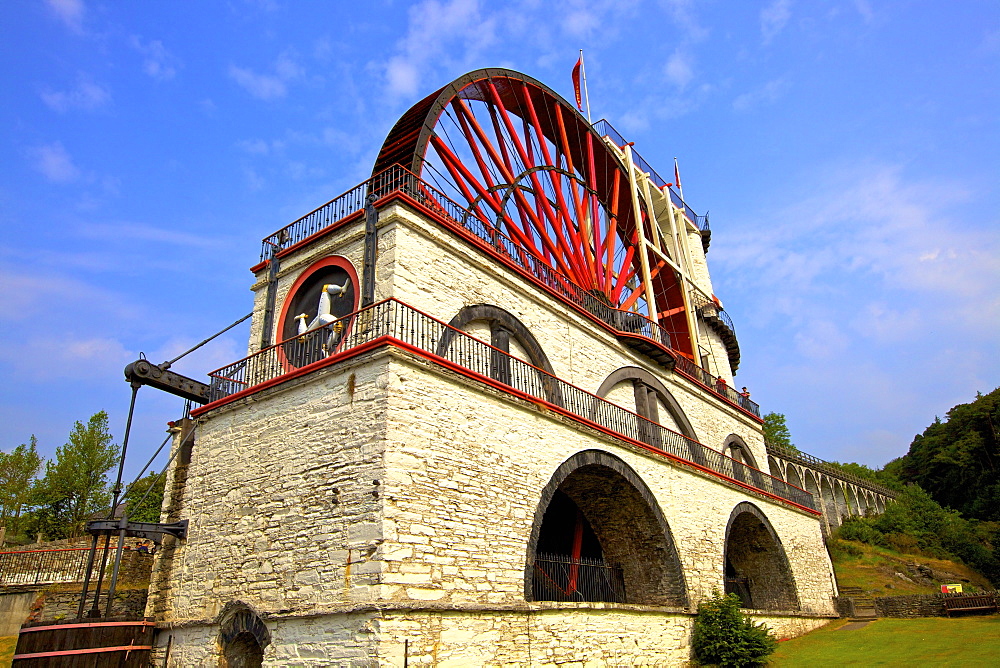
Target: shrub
840, 549
724, 637
860, 529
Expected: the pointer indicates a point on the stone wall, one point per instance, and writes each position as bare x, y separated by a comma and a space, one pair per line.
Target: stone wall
282, 498
385, 499
436, 275
914, 605
462, 494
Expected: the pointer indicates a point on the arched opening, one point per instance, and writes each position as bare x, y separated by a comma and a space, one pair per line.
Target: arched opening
793, 478
863, 502
599, 535
852, 500
775, 466
829, 503
640, 391
741, 460
505, 333
242, 637
756, 567
843, 505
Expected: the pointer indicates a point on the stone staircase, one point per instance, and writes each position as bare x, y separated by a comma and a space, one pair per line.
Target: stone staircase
862, 605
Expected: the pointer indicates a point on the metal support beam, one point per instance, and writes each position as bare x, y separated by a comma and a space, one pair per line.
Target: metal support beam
144, 372
266, 336
371, 248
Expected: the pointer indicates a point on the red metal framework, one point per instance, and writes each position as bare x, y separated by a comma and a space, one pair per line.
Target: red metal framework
518, 156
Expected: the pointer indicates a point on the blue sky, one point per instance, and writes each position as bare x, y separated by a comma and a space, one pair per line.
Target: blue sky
847, 152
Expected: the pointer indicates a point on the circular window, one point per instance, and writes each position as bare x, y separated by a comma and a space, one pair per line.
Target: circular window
313, 321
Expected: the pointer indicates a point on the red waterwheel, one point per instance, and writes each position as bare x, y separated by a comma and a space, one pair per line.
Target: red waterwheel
527, 165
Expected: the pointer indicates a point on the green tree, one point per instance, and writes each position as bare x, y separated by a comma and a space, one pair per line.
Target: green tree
75, 485
18, 471
724, 637
958, 460
776, 431
143, 507
883, 476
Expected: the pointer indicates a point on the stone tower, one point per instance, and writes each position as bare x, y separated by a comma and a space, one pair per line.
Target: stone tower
486, 418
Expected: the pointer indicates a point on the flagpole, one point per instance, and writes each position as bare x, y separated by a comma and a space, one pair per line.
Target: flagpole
677, 180
586, 94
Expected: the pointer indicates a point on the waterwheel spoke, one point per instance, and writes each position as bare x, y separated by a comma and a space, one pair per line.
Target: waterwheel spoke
551, 194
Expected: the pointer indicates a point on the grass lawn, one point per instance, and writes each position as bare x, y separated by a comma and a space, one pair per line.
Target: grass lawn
7, 645
937, 641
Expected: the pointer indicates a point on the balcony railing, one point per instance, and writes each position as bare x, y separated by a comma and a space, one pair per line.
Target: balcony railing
399, 179
605, 129
397, 323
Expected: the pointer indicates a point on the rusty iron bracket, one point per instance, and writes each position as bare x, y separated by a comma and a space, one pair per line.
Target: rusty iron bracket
144, 372
138, 529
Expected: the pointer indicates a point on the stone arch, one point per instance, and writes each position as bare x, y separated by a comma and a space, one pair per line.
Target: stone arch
736, 448
811, 485
829, 502
505, 328
852, 500
756, 566
647, 388
599, 534
775, 467
864, 502
843, 503
879, 504
794, 479
739, 453
242, 636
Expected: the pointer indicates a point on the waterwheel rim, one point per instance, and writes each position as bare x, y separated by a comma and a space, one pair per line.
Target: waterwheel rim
524, 162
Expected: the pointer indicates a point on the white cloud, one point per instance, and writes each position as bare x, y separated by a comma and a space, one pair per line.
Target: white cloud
268, 86
766, 94
123, 232
774, 18
48, 299
54, 163
70, 12
870, 242
45, 357
865, 9
683, 15
85, 95
432, 27
679, 69
158, 63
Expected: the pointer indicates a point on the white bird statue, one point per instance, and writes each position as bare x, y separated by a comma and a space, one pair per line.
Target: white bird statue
323, 315
303, 328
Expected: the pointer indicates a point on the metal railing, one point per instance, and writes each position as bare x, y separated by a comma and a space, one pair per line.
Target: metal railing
711, 383
559, 577
605, 129
399, 179
32, 567
398, 321
826, 467
707, 308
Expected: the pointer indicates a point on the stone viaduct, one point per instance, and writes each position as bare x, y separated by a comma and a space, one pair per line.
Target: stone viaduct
838, 494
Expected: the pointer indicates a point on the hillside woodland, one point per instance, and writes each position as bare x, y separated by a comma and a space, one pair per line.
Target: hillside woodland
949, 492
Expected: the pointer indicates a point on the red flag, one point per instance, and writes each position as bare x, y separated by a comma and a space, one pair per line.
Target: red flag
576, 83
677, 179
